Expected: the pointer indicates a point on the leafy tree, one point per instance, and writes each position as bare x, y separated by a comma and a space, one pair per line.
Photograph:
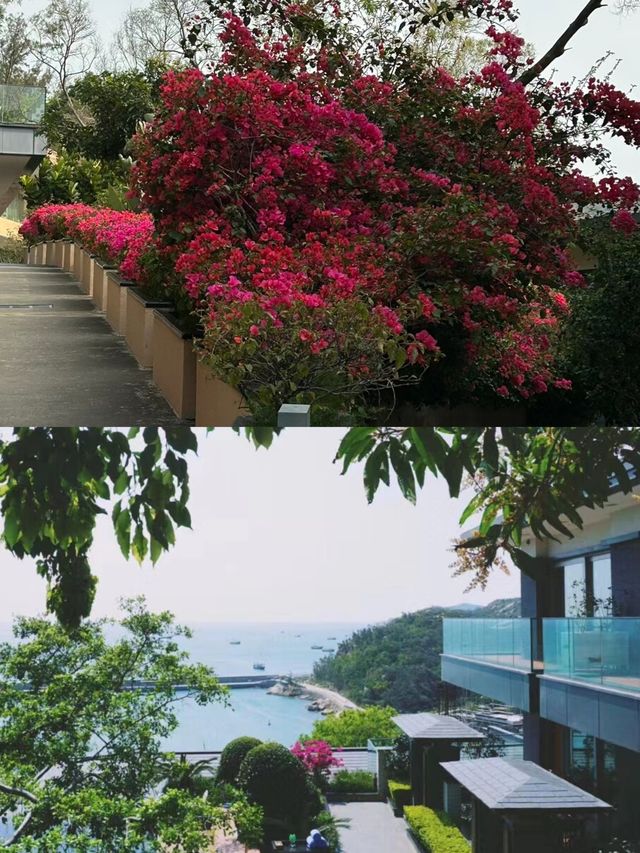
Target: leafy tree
537, 478
355, 727
80, 746
56, 482
98, 114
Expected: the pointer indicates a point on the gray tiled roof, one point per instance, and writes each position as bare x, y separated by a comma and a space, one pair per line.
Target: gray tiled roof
435, 727
514, 785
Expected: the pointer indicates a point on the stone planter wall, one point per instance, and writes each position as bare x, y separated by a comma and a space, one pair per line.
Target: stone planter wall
68, 250
174, 364
116, 301
138, 325
217, 404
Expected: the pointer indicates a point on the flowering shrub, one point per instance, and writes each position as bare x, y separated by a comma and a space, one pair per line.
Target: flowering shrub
118, 238
319, 758
342, 220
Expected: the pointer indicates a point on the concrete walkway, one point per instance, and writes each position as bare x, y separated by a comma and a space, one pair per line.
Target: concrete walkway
373, 829
61, 364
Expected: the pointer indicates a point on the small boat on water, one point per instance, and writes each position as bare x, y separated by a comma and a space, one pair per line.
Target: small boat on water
332, 638
259, 666
316, 647
328, 650
234, 642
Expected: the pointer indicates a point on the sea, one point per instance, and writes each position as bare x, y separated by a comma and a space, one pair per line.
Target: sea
233, 649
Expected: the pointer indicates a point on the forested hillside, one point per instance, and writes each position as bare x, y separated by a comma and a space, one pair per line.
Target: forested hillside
398, 663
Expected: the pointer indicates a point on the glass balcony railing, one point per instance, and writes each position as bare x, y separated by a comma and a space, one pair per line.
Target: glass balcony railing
21, 104
597, 650
506, 642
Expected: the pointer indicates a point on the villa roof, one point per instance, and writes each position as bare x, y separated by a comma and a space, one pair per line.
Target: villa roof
517, 785
435, 727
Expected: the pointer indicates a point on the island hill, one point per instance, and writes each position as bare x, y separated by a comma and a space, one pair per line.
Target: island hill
396, 663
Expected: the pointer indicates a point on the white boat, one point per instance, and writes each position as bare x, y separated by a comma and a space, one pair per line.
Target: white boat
260, 666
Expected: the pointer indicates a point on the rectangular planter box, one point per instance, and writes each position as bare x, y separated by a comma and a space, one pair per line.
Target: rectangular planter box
217, 404
57, 253
116, 301
138, 324
49, 254
67, 256
100, 281
174, 365
86, 277
78, 255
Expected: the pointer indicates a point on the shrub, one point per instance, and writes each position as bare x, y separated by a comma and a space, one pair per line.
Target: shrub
120, 238
318, 757
436, 830
353, 782
11, 251
276, 780
232, 757
400, 793
355, 727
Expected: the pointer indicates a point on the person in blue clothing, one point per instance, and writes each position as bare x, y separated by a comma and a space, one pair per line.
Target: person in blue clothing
316, 841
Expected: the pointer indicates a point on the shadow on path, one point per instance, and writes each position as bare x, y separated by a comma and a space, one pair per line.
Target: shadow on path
61, 364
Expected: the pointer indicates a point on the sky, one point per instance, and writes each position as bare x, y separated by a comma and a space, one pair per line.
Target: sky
541, 22
280, 536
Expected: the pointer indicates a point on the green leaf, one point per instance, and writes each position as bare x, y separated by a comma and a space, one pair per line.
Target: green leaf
374, 470
403, 469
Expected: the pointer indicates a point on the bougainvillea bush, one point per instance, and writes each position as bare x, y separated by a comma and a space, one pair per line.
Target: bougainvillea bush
319, 758
344, 216
120, 239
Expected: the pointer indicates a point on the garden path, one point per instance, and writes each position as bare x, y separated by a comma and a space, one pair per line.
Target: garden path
61, 364
373, 828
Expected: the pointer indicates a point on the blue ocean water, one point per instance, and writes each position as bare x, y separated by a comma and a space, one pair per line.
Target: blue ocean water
284, 649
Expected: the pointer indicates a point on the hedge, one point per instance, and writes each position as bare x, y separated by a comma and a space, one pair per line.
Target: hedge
353, 782
400, 792
436, 831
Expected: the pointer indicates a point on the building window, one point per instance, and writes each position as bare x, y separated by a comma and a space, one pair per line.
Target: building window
587, 587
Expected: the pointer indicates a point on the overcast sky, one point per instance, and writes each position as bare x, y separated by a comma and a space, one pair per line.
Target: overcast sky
279, 535
542, 21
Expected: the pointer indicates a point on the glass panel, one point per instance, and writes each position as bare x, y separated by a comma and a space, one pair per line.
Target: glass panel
601, 650
21, 104
602, 600
506, 642
575, 588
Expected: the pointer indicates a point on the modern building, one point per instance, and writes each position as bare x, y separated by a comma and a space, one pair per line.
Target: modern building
571, 664
22, 147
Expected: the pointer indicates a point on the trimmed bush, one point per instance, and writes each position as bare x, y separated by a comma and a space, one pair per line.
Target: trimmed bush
275, 779
436, 831
353, 782
232, 757
400, 792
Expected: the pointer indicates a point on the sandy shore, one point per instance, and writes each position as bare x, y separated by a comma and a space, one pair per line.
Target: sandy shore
335, 701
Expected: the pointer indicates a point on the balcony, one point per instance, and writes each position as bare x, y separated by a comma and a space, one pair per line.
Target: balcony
22, 105
591, 678
491, 657
587, 677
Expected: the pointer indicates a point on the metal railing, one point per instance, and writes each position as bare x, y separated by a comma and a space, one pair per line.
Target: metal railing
21, 105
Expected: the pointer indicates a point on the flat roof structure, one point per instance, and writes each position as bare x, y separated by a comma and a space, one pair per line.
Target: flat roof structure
436, 727
520, 786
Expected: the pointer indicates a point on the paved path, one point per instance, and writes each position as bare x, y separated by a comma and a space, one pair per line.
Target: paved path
373, 829
60, 362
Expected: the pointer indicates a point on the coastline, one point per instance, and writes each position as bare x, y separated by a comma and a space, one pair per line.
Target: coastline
321, 699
